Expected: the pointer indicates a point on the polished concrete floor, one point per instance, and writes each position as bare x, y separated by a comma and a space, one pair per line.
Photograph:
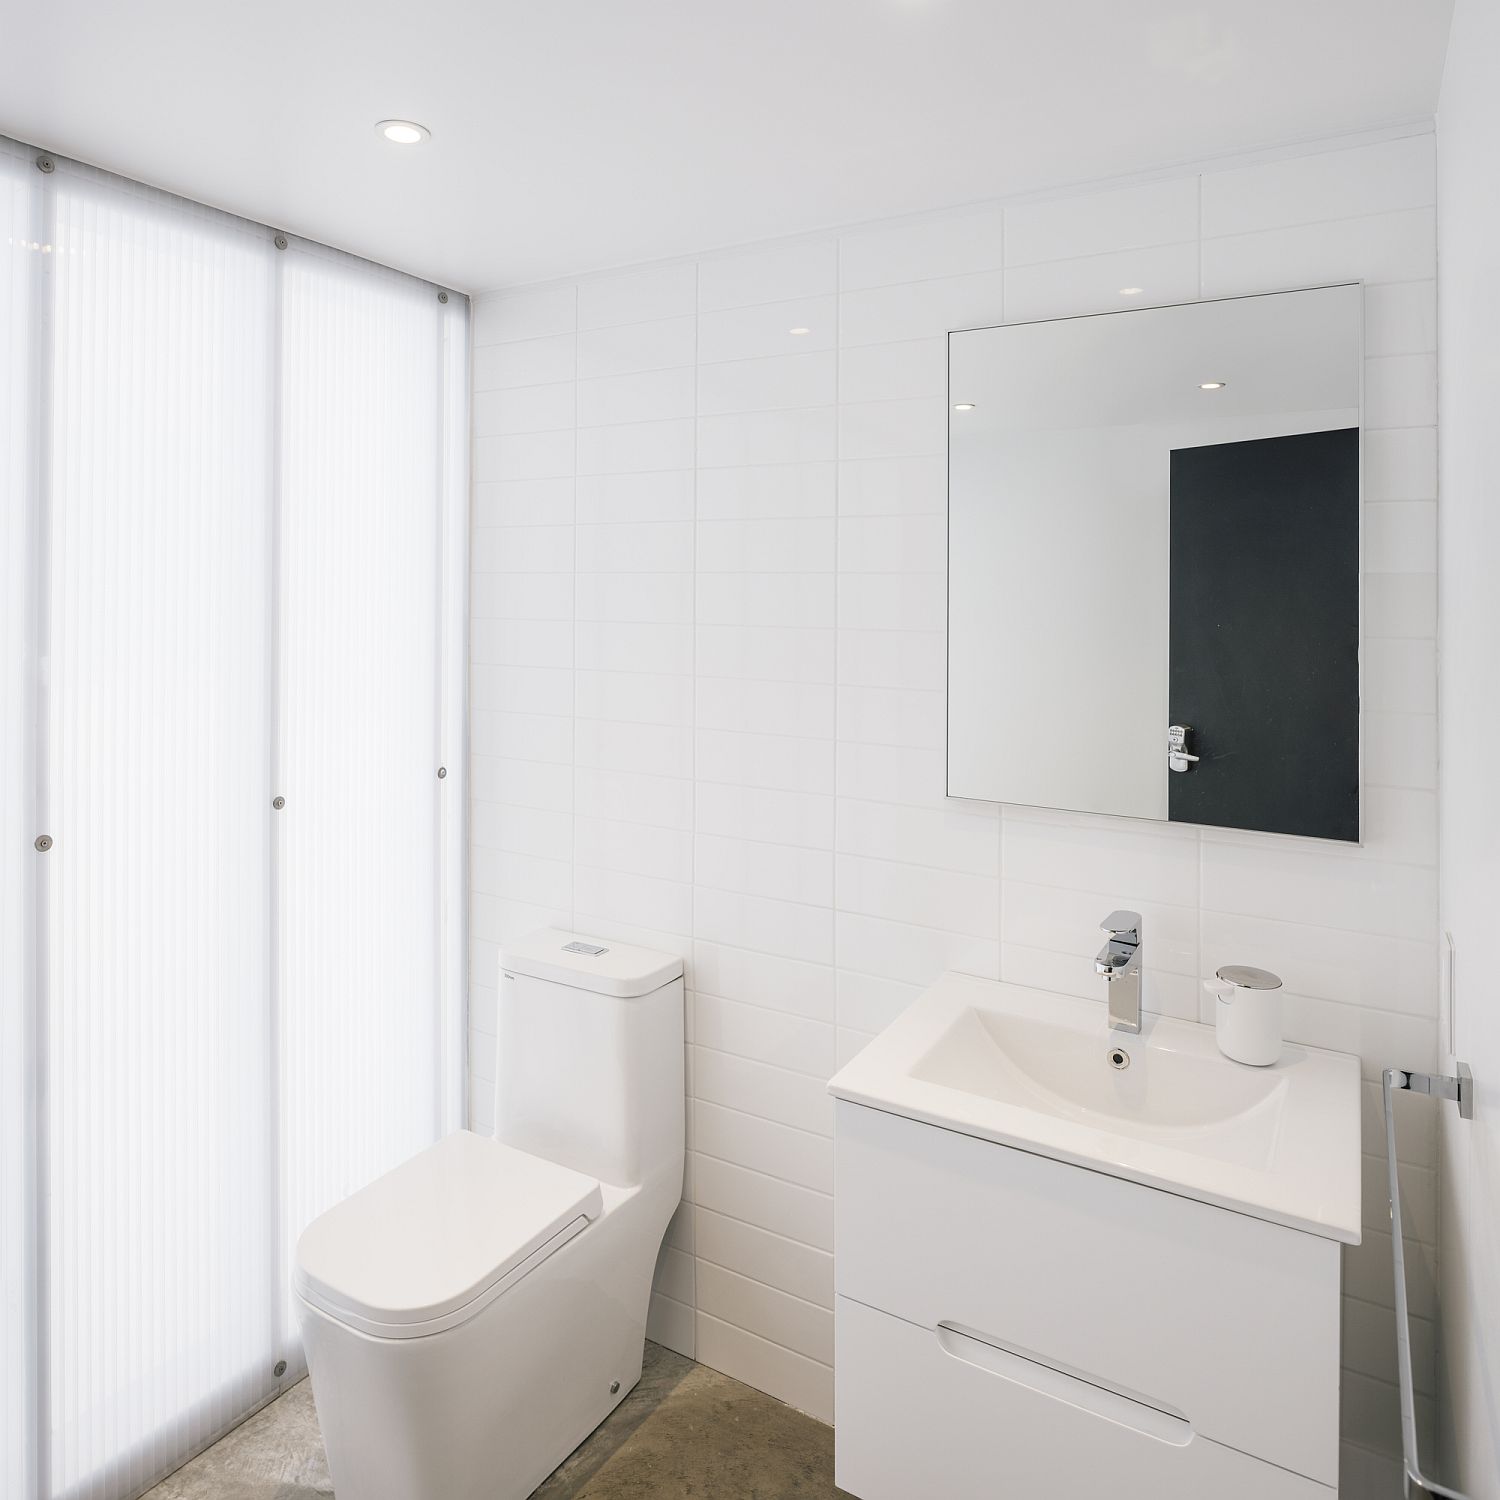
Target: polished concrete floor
684, 1433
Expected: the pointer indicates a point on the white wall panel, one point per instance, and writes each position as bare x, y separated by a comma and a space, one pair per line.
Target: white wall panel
831, 877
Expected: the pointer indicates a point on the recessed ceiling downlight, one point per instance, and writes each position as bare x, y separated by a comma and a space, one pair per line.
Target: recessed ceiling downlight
403, 132
798, 332
1212, 385
1131, 291
963, 406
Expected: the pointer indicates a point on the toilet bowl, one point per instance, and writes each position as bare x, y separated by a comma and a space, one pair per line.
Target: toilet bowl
471, 1316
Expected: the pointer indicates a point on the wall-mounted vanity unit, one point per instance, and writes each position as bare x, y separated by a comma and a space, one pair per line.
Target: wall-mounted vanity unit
1072, 1263
1154, 563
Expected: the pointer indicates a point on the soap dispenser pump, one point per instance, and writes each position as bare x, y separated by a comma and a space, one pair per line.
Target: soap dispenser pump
1247, 1014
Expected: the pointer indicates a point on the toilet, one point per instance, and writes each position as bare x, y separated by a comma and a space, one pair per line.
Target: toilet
470, 1317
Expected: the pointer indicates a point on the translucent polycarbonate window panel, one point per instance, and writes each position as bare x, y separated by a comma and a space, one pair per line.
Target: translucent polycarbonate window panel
359, 1000
20, 254
454, 659
158, 1130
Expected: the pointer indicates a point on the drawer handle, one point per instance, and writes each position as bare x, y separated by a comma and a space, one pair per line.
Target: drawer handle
1022, 1367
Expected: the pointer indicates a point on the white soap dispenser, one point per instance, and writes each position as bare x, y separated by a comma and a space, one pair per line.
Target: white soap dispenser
1247, 1014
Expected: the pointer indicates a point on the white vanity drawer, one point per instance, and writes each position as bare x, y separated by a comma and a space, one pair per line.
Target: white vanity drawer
916, 1416
1227, 1320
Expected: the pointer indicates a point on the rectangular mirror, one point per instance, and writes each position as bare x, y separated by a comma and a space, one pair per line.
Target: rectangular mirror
1154, 563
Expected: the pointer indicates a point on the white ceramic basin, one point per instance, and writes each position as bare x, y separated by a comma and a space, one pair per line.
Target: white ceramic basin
1038, 1071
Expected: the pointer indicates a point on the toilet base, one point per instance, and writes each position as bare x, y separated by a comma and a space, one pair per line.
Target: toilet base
486, 1410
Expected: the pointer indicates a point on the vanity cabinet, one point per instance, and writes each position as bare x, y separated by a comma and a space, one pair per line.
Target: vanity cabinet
1010, 1324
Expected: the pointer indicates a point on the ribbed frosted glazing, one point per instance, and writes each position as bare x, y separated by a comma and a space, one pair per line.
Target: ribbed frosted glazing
20, 257
158, 1126
360, 505
453, 659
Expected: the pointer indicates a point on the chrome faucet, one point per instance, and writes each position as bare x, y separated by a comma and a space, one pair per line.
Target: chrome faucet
1119, 961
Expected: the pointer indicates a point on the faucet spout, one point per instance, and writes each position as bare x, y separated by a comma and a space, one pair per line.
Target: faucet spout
1119, 962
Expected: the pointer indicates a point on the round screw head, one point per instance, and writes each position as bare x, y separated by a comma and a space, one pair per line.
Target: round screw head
279, 1369
280, 242
278, 803
45, 164
43, 843
442, 296
614, 1387
442, 772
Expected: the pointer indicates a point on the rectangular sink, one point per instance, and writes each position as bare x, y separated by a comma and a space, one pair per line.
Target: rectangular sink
1044, 1073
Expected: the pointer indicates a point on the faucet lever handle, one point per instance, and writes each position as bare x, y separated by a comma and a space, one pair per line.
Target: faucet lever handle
1124, 925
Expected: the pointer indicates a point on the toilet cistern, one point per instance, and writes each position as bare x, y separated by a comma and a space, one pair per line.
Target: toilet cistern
1119, 961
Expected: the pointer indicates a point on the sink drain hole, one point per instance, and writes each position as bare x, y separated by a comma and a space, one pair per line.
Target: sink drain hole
1119, 1058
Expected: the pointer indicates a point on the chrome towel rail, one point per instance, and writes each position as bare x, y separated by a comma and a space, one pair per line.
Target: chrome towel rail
1440, 1086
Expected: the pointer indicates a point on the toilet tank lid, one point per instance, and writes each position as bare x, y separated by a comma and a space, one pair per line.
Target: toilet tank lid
590, 963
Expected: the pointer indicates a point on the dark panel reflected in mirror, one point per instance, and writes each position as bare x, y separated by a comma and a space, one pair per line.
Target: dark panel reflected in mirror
1264, 634
1154, 523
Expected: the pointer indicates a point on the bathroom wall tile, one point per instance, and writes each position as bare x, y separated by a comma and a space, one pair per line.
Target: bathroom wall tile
877, 602
796, 599
801, 819
780, 1207
921, 309
1401, 464
760, 1033
765, 330
800, 1382
636, 346
957, 244
1400, 749
531, 408
904, 486
1098, 223
1064, 288
642, 396
768, 492
894, 372
524, 502
803, 435
1401, 391
778, 382
754, 977
787, 928
633, 698
918, 894
1397, 246
769, 1258
941, 834
868, 1003
1401, 319
893, 429
656, 495
528, 455
785, 1320
1400, 537
509, 316
747, 1138
633, 447
805, 270
915, 955
786, 762
642, 296
1306, 189
1400, 676
541, 361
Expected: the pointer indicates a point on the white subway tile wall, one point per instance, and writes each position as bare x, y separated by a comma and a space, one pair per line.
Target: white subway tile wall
708, 699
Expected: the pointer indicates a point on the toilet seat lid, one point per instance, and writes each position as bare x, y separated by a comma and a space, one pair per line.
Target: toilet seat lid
419, 1245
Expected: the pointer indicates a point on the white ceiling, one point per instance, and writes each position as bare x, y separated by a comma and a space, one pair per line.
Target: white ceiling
570, 135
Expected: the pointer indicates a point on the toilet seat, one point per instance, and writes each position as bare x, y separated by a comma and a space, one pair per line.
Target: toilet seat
429, 1244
